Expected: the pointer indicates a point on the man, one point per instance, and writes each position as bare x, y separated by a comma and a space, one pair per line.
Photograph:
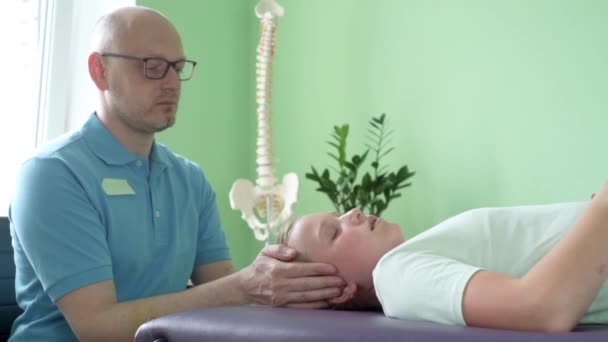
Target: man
108, 225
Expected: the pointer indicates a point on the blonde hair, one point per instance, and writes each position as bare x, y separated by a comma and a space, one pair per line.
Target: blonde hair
356, 303
285, 234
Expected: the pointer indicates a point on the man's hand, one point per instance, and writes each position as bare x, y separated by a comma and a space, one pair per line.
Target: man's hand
274, 279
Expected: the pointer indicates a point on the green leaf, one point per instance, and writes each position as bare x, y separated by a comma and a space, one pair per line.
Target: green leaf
333, 156
387, 152
362, 158
334, 145
404, 173
312, 177
383, 145
351, 177
366, 181
403, 186
342, 131
374, 137
380, 188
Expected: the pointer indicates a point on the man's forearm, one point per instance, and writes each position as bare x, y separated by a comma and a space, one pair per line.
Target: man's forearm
120, 321
272, 279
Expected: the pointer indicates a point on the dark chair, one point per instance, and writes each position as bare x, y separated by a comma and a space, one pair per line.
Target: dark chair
8, 304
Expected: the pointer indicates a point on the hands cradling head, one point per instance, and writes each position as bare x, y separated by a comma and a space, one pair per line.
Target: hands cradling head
352, 242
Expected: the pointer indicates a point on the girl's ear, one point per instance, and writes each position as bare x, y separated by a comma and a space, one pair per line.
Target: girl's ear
347, 294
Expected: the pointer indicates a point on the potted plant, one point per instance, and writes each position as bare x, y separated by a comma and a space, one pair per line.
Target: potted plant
373, 191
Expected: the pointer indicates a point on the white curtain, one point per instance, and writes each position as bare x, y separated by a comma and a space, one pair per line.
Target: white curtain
67, 93
45, 90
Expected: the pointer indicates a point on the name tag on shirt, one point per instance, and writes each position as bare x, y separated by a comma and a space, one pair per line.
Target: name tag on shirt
116, 187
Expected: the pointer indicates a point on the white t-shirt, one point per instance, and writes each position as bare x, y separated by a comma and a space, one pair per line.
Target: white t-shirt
424, 278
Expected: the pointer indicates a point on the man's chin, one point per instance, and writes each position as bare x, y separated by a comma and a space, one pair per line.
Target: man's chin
168, 123
166, 119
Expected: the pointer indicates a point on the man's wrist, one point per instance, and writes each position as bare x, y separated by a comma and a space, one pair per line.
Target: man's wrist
235, 287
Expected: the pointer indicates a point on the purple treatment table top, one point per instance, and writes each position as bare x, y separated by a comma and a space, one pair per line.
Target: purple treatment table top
266, 324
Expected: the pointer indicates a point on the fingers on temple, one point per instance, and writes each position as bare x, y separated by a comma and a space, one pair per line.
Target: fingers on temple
280, 252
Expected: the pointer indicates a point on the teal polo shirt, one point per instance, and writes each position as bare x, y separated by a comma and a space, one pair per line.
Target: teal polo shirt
87, 210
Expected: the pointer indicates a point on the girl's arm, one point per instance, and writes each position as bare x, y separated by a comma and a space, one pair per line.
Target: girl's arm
555, 294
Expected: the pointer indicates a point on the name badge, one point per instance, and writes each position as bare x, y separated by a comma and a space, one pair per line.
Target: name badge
116, 187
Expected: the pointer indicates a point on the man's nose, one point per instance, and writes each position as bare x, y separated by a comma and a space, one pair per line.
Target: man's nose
171, 79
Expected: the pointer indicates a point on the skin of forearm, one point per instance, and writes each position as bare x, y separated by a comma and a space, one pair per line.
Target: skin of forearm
566, 281
120, 321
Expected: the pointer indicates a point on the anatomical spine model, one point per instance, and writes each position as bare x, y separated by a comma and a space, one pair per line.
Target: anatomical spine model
267, 207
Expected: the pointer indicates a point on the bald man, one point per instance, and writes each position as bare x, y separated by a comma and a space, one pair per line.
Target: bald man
108, 225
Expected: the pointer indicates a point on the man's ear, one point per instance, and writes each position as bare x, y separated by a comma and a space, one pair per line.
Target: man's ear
347, 294
97, 71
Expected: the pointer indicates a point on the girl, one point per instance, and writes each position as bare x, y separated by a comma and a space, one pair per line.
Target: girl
537, 268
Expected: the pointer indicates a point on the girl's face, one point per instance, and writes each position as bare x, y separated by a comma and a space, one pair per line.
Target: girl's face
354, 243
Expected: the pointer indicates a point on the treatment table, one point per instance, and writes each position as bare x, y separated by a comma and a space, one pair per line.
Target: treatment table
267, 324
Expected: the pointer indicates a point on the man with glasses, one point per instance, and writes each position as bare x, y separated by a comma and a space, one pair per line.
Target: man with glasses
108, 225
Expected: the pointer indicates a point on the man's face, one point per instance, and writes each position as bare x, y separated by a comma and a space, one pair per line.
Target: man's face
354, 243
144, 105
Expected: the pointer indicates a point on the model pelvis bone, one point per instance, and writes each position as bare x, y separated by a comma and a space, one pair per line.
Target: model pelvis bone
253, 202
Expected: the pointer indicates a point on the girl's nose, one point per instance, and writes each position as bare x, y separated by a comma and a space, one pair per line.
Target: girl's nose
354, 215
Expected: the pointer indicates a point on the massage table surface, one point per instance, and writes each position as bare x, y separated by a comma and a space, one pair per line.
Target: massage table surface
266, 324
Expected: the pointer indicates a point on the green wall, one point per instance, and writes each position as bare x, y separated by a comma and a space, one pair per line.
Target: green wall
215, 125
493, 102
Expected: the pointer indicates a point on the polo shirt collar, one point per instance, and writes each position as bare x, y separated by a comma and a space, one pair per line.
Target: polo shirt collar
105, 145
158, 156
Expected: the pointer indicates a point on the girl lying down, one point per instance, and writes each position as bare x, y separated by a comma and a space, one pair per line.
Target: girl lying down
539, 268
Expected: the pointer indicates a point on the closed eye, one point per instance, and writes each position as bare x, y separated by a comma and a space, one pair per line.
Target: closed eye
336, 231
330, 227
179, 66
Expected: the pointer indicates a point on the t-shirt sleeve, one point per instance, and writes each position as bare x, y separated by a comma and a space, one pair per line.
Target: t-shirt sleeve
212, 245
422, 286
58, 229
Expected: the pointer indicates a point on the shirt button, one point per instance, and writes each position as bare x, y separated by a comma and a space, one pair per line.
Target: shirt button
157, 214
138, 163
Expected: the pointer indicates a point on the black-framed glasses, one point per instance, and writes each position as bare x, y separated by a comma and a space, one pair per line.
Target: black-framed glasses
156, 68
